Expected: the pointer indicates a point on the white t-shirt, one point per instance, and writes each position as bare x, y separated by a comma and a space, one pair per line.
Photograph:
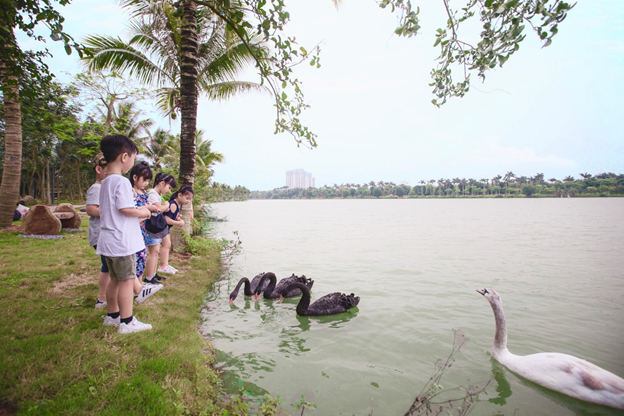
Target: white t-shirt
153, 196
93, 198
120, 235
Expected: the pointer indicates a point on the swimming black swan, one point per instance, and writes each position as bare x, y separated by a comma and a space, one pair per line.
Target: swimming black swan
273, 292
327, 305
250, 287
559, 372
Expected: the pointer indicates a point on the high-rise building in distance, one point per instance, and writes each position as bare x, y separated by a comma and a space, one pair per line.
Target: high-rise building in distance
299, 178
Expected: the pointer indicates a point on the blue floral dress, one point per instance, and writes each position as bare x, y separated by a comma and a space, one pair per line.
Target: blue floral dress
141, 256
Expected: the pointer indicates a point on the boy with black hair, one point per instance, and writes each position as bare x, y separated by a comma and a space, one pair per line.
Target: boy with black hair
120, 234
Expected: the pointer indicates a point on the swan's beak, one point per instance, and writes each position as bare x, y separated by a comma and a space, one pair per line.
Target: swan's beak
231, 300
482, 292
256, 297
281, 298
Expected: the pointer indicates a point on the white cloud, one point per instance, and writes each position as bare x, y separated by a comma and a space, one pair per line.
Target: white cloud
492, 153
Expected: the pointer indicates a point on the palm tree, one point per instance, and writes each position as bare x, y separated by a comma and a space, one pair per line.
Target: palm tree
422, 187
509, 177
431, 182
496, 180
182, 56
486, 182
127, 122
158, 146
538, 178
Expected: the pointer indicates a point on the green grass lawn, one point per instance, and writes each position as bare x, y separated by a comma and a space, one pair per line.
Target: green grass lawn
58, 358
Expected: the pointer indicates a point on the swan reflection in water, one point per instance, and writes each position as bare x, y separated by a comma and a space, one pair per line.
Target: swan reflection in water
334, 321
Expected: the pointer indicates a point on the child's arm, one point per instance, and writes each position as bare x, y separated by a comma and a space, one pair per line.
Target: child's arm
171, 221
93, 210
140, 212
174, 222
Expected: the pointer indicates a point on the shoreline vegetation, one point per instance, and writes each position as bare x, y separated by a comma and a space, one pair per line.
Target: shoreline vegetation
600, 185
58, 358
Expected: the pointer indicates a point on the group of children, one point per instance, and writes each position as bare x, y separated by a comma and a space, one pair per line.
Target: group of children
118, 209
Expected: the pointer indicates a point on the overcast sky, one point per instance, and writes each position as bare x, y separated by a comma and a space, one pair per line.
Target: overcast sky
557, 111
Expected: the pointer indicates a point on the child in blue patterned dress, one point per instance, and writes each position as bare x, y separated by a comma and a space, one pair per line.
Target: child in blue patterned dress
140, 175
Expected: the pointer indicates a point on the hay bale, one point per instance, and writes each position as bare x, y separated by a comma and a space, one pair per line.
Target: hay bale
74, 221
41, 221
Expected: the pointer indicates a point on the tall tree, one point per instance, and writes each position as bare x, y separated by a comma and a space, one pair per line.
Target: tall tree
22, 15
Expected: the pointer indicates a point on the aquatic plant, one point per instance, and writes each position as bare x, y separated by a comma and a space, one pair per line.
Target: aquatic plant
435, 399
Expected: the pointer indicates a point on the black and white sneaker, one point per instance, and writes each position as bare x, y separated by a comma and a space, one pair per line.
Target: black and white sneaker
146, 291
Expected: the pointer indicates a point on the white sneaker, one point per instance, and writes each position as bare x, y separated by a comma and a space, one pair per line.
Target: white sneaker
168, 270
134, 326
147, 290
108, 321
99, 304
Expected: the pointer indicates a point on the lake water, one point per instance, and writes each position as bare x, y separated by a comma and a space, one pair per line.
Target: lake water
558, 265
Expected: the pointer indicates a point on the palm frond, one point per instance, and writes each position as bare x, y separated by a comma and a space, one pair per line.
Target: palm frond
114, 54
223, 91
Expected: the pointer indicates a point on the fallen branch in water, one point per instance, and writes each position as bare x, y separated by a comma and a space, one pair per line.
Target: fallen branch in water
431, 399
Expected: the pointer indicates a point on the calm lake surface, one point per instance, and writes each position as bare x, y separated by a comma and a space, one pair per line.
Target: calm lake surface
558, 265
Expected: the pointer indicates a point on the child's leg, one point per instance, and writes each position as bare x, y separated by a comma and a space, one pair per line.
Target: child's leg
164, 253
125, 296
141, 260
152, 260
111, 296
103, 282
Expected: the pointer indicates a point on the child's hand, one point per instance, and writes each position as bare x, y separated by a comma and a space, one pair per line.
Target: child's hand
181, 223
144, 212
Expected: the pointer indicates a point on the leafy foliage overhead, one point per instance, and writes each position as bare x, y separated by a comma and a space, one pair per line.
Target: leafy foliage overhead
153, 54
24, 16
503, 23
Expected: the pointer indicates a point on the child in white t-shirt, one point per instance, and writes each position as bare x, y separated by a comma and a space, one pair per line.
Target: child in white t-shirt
120, 234
93, 210
163, 183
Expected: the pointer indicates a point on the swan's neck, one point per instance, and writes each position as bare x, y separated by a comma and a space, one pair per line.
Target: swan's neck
499, 346
273, 281
238, 285
304, 302
247, 286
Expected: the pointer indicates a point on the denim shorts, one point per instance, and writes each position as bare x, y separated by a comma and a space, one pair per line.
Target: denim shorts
151, 241
104, 268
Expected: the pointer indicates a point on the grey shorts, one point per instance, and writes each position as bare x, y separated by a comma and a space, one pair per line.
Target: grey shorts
122, 268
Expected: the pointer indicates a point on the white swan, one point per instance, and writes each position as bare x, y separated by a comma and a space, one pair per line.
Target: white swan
559, 372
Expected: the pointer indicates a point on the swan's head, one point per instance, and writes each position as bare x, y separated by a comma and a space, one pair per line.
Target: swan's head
490, 295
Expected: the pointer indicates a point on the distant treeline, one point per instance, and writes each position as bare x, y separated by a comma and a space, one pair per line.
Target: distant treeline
603, 184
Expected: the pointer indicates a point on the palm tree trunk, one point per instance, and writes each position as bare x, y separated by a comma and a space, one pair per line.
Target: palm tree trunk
9, 188
188, 110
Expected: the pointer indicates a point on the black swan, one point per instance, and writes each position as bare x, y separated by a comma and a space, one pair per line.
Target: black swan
559, 372
327, 305
273, 292
250, 287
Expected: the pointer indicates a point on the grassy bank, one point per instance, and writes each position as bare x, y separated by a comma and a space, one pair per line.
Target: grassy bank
57, 358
